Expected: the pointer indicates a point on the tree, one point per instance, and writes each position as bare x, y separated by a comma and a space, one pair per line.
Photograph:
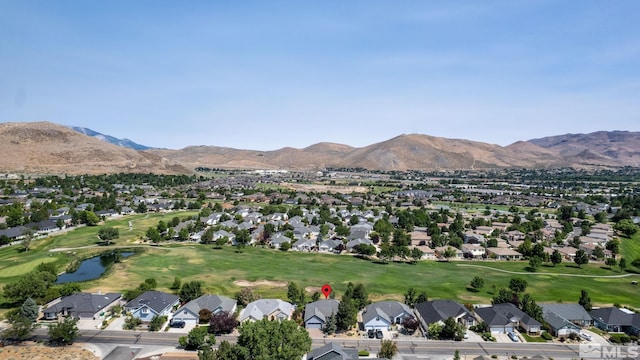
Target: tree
295, 294
360, 296
598, 253
622, 263
502, 297
534, 263
411, 324
70, 289
204, 316
190, 290
225, 351
131, 323
277, 340
634, 263
107, 234
529, 307
416, 254
221, 241
157, 322
222, 322
28, 286
29, 310
585, 300
197, 338
285, 246
449, 253
64, 332
347, 314
365, 250
410, 297
245, 296
556, 257
243, 237
330, 325
388, 349
20, 327
477, 283
433, 331
142, 207
153, 235
422, 297
452, 330
626, 227
611, 262
581, 258
518, 285
176, 283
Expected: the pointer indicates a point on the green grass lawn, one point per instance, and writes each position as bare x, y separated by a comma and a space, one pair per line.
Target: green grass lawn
220, 268
630, 248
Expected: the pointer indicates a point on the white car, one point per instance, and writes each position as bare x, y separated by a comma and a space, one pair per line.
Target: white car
513, 337
585, 336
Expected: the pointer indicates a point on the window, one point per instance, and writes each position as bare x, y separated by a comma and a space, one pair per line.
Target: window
144, 310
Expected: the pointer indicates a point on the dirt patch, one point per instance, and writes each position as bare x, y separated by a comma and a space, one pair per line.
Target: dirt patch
245, 283
313, 289
44, 352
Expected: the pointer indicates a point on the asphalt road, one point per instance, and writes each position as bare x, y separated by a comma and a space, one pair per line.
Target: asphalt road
418, 347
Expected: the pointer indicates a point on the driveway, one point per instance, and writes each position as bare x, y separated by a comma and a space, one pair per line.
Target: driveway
595, 338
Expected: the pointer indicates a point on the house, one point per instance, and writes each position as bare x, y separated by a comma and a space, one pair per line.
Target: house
574, 313
559, 326
278, 239
152, 303
190, 312
304, 245
498, 324
333, 351
472, 238
459, 255
81, 305
382, 315
437, 311
318, 312
500, 253
508, 311
568, 252
355, 242
471, 251
272, 309
329, 245
616, 320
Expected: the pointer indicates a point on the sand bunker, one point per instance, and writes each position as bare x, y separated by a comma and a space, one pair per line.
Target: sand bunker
245, 283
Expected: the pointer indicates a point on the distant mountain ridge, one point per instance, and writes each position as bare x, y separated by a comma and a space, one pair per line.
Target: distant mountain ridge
110, 139
50, 148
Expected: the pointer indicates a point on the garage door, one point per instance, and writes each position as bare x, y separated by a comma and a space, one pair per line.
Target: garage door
187, 320
314, 325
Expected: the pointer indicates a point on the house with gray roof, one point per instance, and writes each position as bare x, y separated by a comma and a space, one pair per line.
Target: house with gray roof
329, 245
559, 326
334, 351
512, 313
152, 303
383, 314
355, 242
190, 312
304, 245
272, 309
318, 312
437, 311
574, 313
81, 305
613, 319
278, 239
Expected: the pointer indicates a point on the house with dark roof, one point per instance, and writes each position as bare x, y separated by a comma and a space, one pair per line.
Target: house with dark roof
190, 312
383, 314
152, 303
500, 313
574, 313
615, 320
81, 305
498, 323
333, 351
437, 311
318, 312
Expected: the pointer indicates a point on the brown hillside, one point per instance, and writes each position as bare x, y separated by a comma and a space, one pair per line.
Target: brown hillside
43, 147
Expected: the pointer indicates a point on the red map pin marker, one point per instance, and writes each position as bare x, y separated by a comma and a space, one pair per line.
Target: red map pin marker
326, 290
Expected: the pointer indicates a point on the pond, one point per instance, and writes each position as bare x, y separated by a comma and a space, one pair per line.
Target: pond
92, 268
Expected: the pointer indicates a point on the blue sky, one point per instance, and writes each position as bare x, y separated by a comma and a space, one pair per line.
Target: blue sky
267, 74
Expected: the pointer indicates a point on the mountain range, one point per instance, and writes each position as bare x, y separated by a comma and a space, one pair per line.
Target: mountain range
43, 147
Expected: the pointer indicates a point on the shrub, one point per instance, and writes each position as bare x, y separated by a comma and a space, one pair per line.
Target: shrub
130, 323
546, 336
620, 338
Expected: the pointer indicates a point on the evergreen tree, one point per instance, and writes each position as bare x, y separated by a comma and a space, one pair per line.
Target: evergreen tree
585, 300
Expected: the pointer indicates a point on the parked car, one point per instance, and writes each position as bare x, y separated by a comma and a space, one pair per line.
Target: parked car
513, 337
379, 334
371, 334
585, 336
176, 324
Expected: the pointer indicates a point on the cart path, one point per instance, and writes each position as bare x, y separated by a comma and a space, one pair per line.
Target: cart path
546, 273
